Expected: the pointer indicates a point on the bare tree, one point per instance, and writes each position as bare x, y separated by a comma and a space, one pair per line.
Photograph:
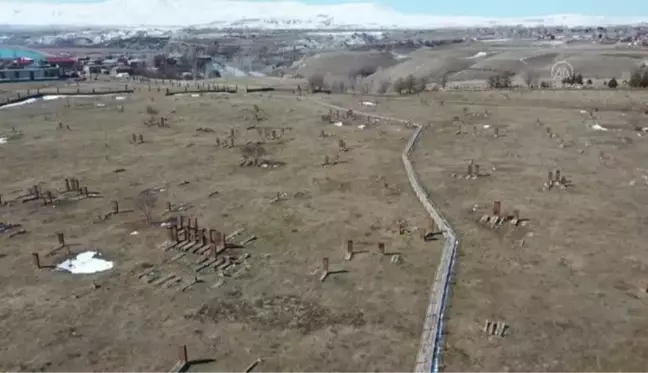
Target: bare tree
145, 202
399, 86
530, 78
353, 85
443, 80
316, 82
420, 84
337, 85
359, 85
364, 88
383, 86
410, 84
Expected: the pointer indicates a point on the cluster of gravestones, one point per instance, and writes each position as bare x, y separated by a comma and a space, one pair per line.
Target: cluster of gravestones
551, 135
333, 116
473, 172
137, 138
350, 253
186, 237
556, 180
495, 328
161, 122
498, 218
270, 133
228, 142
71, 185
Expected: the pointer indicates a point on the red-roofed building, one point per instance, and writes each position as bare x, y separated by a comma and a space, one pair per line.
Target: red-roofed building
66, 63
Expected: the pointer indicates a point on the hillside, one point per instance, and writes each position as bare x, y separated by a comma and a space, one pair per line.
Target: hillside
478, 62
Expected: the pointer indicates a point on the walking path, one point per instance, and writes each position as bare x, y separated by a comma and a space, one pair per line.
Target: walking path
431, 338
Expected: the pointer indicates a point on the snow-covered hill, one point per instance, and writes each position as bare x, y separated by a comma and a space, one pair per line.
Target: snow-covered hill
258, 15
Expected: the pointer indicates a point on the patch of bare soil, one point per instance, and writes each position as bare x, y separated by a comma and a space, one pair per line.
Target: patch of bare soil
279, 312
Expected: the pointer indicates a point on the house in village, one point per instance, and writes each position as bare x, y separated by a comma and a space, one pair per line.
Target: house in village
30, 73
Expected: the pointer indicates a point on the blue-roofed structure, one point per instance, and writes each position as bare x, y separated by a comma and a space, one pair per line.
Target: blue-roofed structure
11, 53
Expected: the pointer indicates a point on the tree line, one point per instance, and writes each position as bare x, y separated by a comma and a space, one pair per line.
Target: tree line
360, 81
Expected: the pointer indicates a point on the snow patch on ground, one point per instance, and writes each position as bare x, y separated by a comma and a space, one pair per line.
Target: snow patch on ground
400, 57
478, 55
51, 98
85, 263
21, 103
493, 40
3, 140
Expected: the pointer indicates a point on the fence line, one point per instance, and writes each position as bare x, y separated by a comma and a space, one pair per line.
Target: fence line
432, 336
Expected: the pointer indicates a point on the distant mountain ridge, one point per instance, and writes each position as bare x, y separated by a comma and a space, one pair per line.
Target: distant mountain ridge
224, 14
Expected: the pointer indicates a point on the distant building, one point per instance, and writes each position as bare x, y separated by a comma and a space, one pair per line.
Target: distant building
92, 69
122, 70
30, 74
110, 62
65, 63
136, 63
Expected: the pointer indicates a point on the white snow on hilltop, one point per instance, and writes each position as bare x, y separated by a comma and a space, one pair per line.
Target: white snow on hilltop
259, 15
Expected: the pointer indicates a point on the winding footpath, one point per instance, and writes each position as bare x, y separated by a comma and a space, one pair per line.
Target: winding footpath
431, 343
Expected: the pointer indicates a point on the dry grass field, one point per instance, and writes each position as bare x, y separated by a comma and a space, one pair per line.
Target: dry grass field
271, 303
572, 283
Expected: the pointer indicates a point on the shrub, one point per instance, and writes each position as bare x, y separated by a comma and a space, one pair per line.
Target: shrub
613, 83
410, 84
639, 78
145, 202
500, 81
574, 79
